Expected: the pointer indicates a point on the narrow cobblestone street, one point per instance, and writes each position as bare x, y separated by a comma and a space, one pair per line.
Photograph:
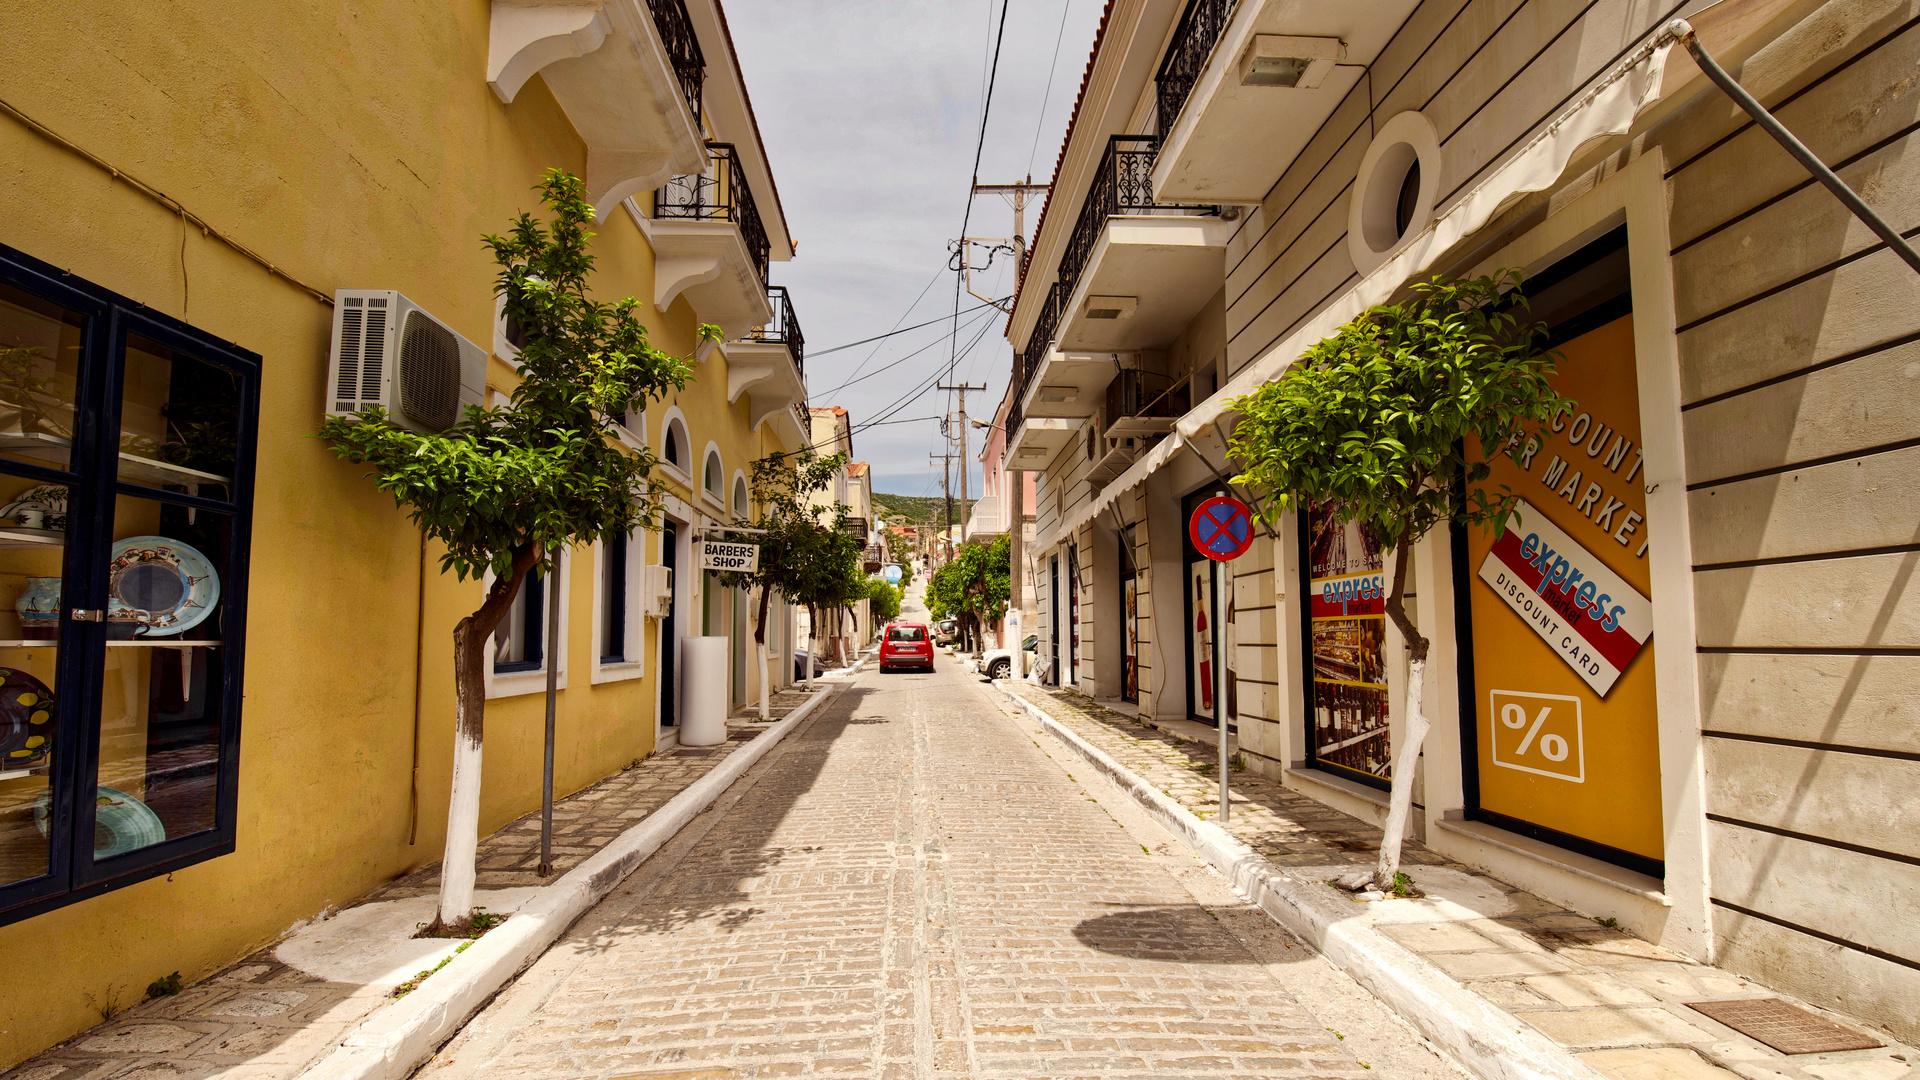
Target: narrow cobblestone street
912, 887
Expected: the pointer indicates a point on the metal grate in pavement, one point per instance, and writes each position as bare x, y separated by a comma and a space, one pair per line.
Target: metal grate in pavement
1787, 1028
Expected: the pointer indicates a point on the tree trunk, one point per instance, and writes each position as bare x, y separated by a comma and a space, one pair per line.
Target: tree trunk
760, 650
470, 703
1400, 801
813, 641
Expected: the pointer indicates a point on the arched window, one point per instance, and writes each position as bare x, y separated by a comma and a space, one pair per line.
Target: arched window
710, 475
673, 444
740, 497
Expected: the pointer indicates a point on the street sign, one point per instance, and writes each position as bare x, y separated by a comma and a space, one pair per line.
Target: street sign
727, 556
1222, 528
892, 574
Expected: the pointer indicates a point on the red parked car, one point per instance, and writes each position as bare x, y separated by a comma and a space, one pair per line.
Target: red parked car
906, 645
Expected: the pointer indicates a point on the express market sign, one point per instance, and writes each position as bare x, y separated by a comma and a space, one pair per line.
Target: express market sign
1595, 622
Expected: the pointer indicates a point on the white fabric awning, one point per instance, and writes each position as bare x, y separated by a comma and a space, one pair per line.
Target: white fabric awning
1135, 475
1642, 87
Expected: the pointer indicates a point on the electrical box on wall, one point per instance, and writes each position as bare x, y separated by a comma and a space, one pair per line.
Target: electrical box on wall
656, 591
389, 352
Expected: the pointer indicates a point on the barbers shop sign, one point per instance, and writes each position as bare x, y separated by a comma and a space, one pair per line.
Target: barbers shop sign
728, 556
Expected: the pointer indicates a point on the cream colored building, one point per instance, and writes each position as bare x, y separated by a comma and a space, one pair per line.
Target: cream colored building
187, 187
1240, 179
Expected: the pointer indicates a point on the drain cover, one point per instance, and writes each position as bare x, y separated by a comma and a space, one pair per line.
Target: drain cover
1787, 1028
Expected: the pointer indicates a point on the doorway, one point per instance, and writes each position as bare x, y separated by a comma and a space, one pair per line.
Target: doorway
669, 631
1130, 620
1053, 604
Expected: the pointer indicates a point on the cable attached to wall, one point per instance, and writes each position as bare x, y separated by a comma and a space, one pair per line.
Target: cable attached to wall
163, 199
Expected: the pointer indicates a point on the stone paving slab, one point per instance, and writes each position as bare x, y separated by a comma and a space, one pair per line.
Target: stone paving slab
262, 1019
1615, 1001
908, 886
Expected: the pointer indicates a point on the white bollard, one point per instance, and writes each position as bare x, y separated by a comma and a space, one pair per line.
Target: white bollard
703, 691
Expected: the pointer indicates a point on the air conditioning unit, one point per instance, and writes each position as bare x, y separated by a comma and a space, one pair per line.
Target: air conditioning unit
388, 351
656, 592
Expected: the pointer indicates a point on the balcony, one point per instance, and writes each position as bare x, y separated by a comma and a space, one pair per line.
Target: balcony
1277, 67
765, 364
1141, 406
628, 75
711, 245
1132, 275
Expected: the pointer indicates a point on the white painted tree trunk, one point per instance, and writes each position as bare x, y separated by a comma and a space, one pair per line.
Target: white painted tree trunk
766, 676
463, 831
1400, 801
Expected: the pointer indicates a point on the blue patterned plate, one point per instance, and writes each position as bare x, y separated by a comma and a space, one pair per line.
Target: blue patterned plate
160, 586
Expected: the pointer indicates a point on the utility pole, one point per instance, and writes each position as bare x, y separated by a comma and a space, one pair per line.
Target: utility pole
946, 489
962, 388
1019, 193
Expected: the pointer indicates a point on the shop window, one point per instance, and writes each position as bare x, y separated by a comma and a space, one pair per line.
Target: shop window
126, 456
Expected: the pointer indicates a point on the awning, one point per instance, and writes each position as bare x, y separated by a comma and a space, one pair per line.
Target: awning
1135, 475
1641, 88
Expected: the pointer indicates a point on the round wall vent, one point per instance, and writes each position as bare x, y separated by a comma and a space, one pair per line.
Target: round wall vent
1394, 193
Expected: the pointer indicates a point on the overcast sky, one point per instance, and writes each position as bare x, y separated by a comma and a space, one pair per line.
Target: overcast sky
870, 110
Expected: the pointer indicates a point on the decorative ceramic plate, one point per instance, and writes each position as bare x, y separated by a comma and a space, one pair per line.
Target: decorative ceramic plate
26, 720
121, 823
160, 586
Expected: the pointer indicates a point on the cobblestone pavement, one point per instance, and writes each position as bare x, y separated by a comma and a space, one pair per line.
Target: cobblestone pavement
909, 886
262, 1019
1616, 1001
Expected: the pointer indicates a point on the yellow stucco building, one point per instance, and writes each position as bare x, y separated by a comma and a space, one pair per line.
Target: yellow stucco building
187, 186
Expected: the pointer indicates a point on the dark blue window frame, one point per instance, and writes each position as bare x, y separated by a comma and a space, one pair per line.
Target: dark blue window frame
92, 478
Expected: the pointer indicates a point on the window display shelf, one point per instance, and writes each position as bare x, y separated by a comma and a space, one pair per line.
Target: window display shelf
17, 537
56, 451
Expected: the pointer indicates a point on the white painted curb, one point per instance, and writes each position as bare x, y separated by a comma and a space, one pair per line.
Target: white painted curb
1487, 1040
396, 1039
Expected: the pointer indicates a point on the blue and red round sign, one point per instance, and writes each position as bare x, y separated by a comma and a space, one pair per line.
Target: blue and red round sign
1222, 528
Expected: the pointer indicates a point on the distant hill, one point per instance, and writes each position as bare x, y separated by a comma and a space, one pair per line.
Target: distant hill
915, 509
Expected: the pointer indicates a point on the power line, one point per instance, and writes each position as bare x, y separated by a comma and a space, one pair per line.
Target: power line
1052, 70
979, 147
896, 327
885, 368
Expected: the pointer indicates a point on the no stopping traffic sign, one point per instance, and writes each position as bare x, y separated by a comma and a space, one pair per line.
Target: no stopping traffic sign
1221, 528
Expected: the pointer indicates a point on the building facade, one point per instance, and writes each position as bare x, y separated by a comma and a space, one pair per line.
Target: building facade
1716, 759
190, 187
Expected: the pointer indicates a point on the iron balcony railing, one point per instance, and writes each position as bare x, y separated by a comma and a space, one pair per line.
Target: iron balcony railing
1121, 185
1193, 41
719, 194
670, 18
784, 327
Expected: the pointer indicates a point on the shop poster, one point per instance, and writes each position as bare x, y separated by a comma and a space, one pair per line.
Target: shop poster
1346, 603
1567, 731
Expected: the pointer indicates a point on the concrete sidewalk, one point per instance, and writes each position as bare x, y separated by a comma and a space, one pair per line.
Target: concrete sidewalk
279, 1011
1511, 984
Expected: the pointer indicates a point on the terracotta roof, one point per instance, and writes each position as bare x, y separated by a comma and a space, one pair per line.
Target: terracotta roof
1086, 78
858, 468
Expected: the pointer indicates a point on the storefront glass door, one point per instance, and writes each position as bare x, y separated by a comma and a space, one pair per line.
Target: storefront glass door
1347, 700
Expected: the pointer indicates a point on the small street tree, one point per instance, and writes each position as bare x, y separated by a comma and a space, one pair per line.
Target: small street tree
885, 599
973, 586
803, 560
505, 489
1373, 423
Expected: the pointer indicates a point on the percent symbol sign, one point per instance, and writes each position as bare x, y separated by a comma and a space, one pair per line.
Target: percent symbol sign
1515, 717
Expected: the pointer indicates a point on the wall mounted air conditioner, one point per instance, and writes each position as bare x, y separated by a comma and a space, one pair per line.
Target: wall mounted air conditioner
388, 351
656, 592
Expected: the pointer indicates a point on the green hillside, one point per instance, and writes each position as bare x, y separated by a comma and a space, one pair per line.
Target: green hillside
915, 509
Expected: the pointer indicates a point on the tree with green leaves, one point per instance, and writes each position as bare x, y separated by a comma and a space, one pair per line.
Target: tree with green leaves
805, 561
1373, 422
885, 599
973, 586
505, 489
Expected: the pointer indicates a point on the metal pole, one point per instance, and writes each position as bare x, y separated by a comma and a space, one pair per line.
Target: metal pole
1682, 30
1220, 675
553, 687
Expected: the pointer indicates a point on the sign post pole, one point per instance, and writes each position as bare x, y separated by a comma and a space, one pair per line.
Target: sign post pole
1221, 529
1220, 586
